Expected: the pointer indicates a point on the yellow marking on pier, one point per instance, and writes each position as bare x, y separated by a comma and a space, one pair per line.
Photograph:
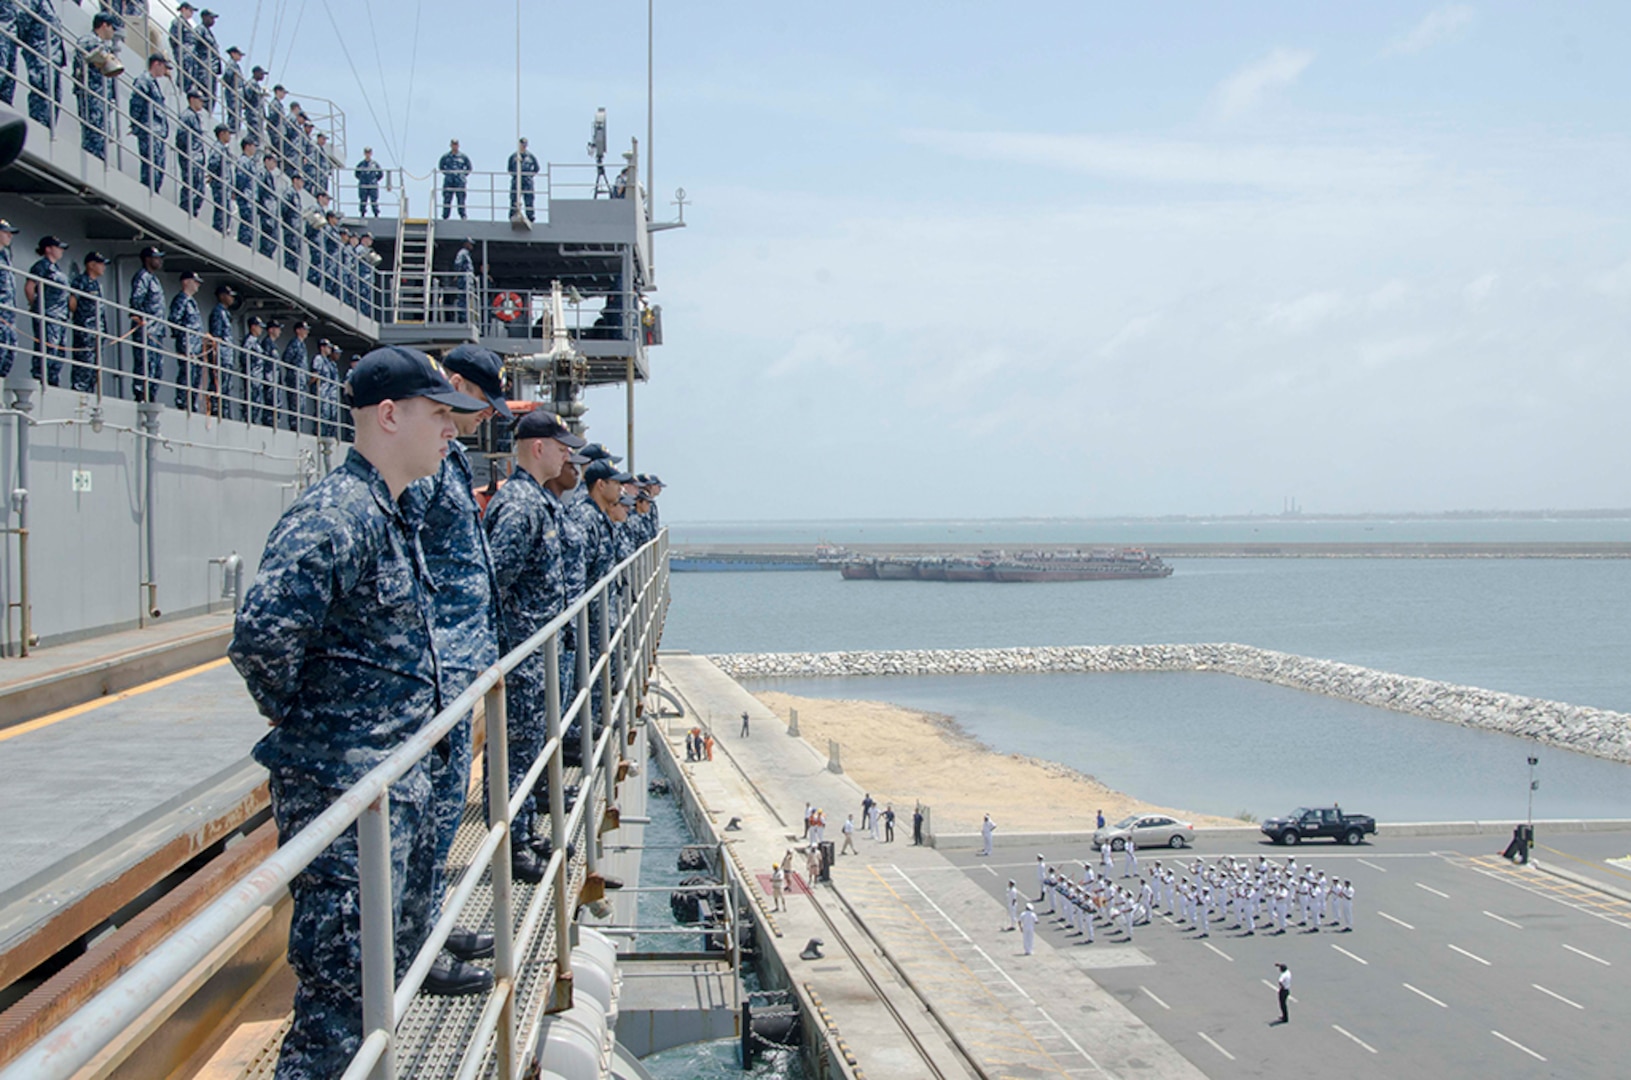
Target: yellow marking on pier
97, 703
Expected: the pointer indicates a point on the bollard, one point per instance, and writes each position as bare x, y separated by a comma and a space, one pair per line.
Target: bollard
833, 764
792, 722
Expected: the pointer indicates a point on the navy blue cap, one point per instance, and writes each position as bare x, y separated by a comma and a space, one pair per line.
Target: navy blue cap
543, 425
484, 368
597, 452
625, 500
603, 470
397, 373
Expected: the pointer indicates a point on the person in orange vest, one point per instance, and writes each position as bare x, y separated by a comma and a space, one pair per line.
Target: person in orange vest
708, 745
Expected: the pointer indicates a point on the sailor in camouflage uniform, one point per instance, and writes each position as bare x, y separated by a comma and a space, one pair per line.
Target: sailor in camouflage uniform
291, 205
463, 282
464, 616
523, 529
603, 483
232, 87
147, 323
148, 121
220, 171
314, 242
207, 54
254, 100
331, 253
97, 94
573, 542
262, 366
187, 333
90, 323
291, 377
250, 358
268, 200
8, 298
40, 31
365, 274
8, 51
245, 179
325, 377
190, 153
48, 300
228, 360
368, 175
334, 642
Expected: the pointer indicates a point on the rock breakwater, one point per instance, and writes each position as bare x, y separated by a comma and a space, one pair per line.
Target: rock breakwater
1598, 732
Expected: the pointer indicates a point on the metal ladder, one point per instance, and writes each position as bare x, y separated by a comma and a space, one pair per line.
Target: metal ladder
415, 241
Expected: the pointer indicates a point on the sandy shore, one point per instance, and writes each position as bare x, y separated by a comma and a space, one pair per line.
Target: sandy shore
902, 756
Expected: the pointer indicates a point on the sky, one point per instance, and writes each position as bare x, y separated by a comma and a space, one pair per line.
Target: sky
946, 259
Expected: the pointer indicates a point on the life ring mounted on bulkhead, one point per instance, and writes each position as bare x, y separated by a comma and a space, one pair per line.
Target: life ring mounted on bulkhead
507, 306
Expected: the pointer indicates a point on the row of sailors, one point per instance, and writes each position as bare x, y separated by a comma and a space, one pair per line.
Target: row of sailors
383, 593
252, 376
1248, 897
283, 127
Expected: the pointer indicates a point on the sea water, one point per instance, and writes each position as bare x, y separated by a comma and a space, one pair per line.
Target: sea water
1551, 628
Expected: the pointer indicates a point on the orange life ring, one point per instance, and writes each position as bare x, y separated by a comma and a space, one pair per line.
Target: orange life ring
507, 306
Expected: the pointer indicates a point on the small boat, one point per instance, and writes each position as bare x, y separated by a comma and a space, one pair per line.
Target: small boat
859, 570
896, 569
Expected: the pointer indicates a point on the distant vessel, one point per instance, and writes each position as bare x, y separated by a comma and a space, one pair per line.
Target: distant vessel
1103, 564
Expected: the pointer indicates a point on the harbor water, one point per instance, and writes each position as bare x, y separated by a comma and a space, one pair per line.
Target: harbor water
1550, 628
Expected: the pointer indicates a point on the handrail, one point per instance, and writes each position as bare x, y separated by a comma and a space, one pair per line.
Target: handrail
644, 577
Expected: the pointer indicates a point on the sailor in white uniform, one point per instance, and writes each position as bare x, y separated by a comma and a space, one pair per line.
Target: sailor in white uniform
1041, 878
1013, 904
1131, 868
1027, 926
988, 829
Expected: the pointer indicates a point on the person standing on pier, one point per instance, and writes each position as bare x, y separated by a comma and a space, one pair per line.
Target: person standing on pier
778, 886
1013, 906
334, 643
917, 825
744, 723
849, 836
1027, 927
889, 824
988, 829
1283, 991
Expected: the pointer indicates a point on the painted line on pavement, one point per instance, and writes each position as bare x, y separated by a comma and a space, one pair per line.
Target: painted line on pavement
1391, 919
124, 695
1151, 995
1350, 955
1514, 1042
1214, 1044
1003, 973
1587, 955
1372, 865
1509, 922
927, 900
1432, 890
1555, 994
1091, 1060
1219, 951
1470, 956
1425, 994
1344, 1031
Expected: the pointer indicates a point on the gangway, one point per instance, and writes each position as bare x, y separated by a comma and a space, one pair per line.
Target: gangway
415, 243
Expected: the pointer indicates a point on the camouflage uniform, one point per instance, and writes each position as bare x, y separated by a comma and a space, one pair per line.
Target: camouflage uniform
188, 335
334, 643
229, 363
260, 367
8, 311
50, 318
147, 300
151, 127
90, 324
289, 212
8, 52
464, 615
599, 556
464, 284
190, 159
40, 32
328, 396
244, 180
221, 172
331, 260
290, 378
531, 576
268, 200
574, 542
98, 97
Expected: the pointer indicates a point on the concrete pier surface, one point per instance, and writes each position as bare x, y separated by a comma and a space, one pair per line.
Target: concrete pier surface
1459, 963
935, 985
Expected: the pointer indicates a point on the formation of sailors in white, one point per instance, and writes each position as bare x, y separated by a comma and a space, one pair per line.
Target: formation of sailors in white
1232, 893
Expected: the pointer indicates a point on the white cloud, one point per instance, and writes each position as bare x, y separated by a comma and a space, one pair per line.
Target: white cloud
1441, 24
1134, 329
1273, 166
1242, 91
1306, 312
1478, 289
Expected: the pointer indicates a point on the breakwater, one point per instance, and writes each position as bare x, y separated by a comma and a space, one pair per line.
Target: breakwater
1599, 732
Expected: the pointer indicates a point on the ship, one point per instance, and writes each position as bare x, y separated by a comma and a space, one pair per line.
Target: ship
1102, 564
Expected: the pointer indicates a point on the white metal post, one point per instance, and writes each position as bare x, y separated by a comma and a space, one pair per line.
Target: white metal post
557, 823
378, 934
495, 717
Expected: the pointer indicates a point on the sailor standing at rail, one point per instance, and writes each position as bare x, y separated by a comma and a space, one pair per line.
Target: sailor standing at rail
464, 619
90, 323
191, 157
368, 175
573, 542
40, 31
96, 93
149, 122
455, 170
245, 178
232, 88
988, 829
227, 358
525, 540
334, 642
8, 299
146, 325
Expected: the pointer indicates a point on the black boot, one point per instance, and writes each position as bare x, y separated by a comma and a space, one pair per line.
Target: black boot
545, 847
454, 978
469, 944
525, 865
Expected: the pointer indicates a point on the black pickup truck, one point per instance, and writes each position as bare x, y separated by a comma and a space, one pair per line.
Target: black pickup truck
1327, 821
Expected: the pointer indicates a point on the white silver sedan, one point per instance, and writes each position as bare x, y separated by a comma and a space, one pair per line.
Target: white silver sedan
1147, 831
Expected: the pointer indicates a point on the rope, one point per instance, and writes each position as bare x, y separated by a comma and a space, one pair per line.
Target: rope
384, 89
407, 110
339, 37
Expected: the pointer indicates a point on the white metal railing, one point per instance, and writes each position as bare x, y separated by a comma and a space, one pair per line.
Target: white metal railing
632, 602
200, 372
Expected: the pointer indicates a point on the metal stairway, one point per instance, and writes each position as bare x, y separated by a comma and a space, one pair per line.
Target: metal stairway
411, 295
